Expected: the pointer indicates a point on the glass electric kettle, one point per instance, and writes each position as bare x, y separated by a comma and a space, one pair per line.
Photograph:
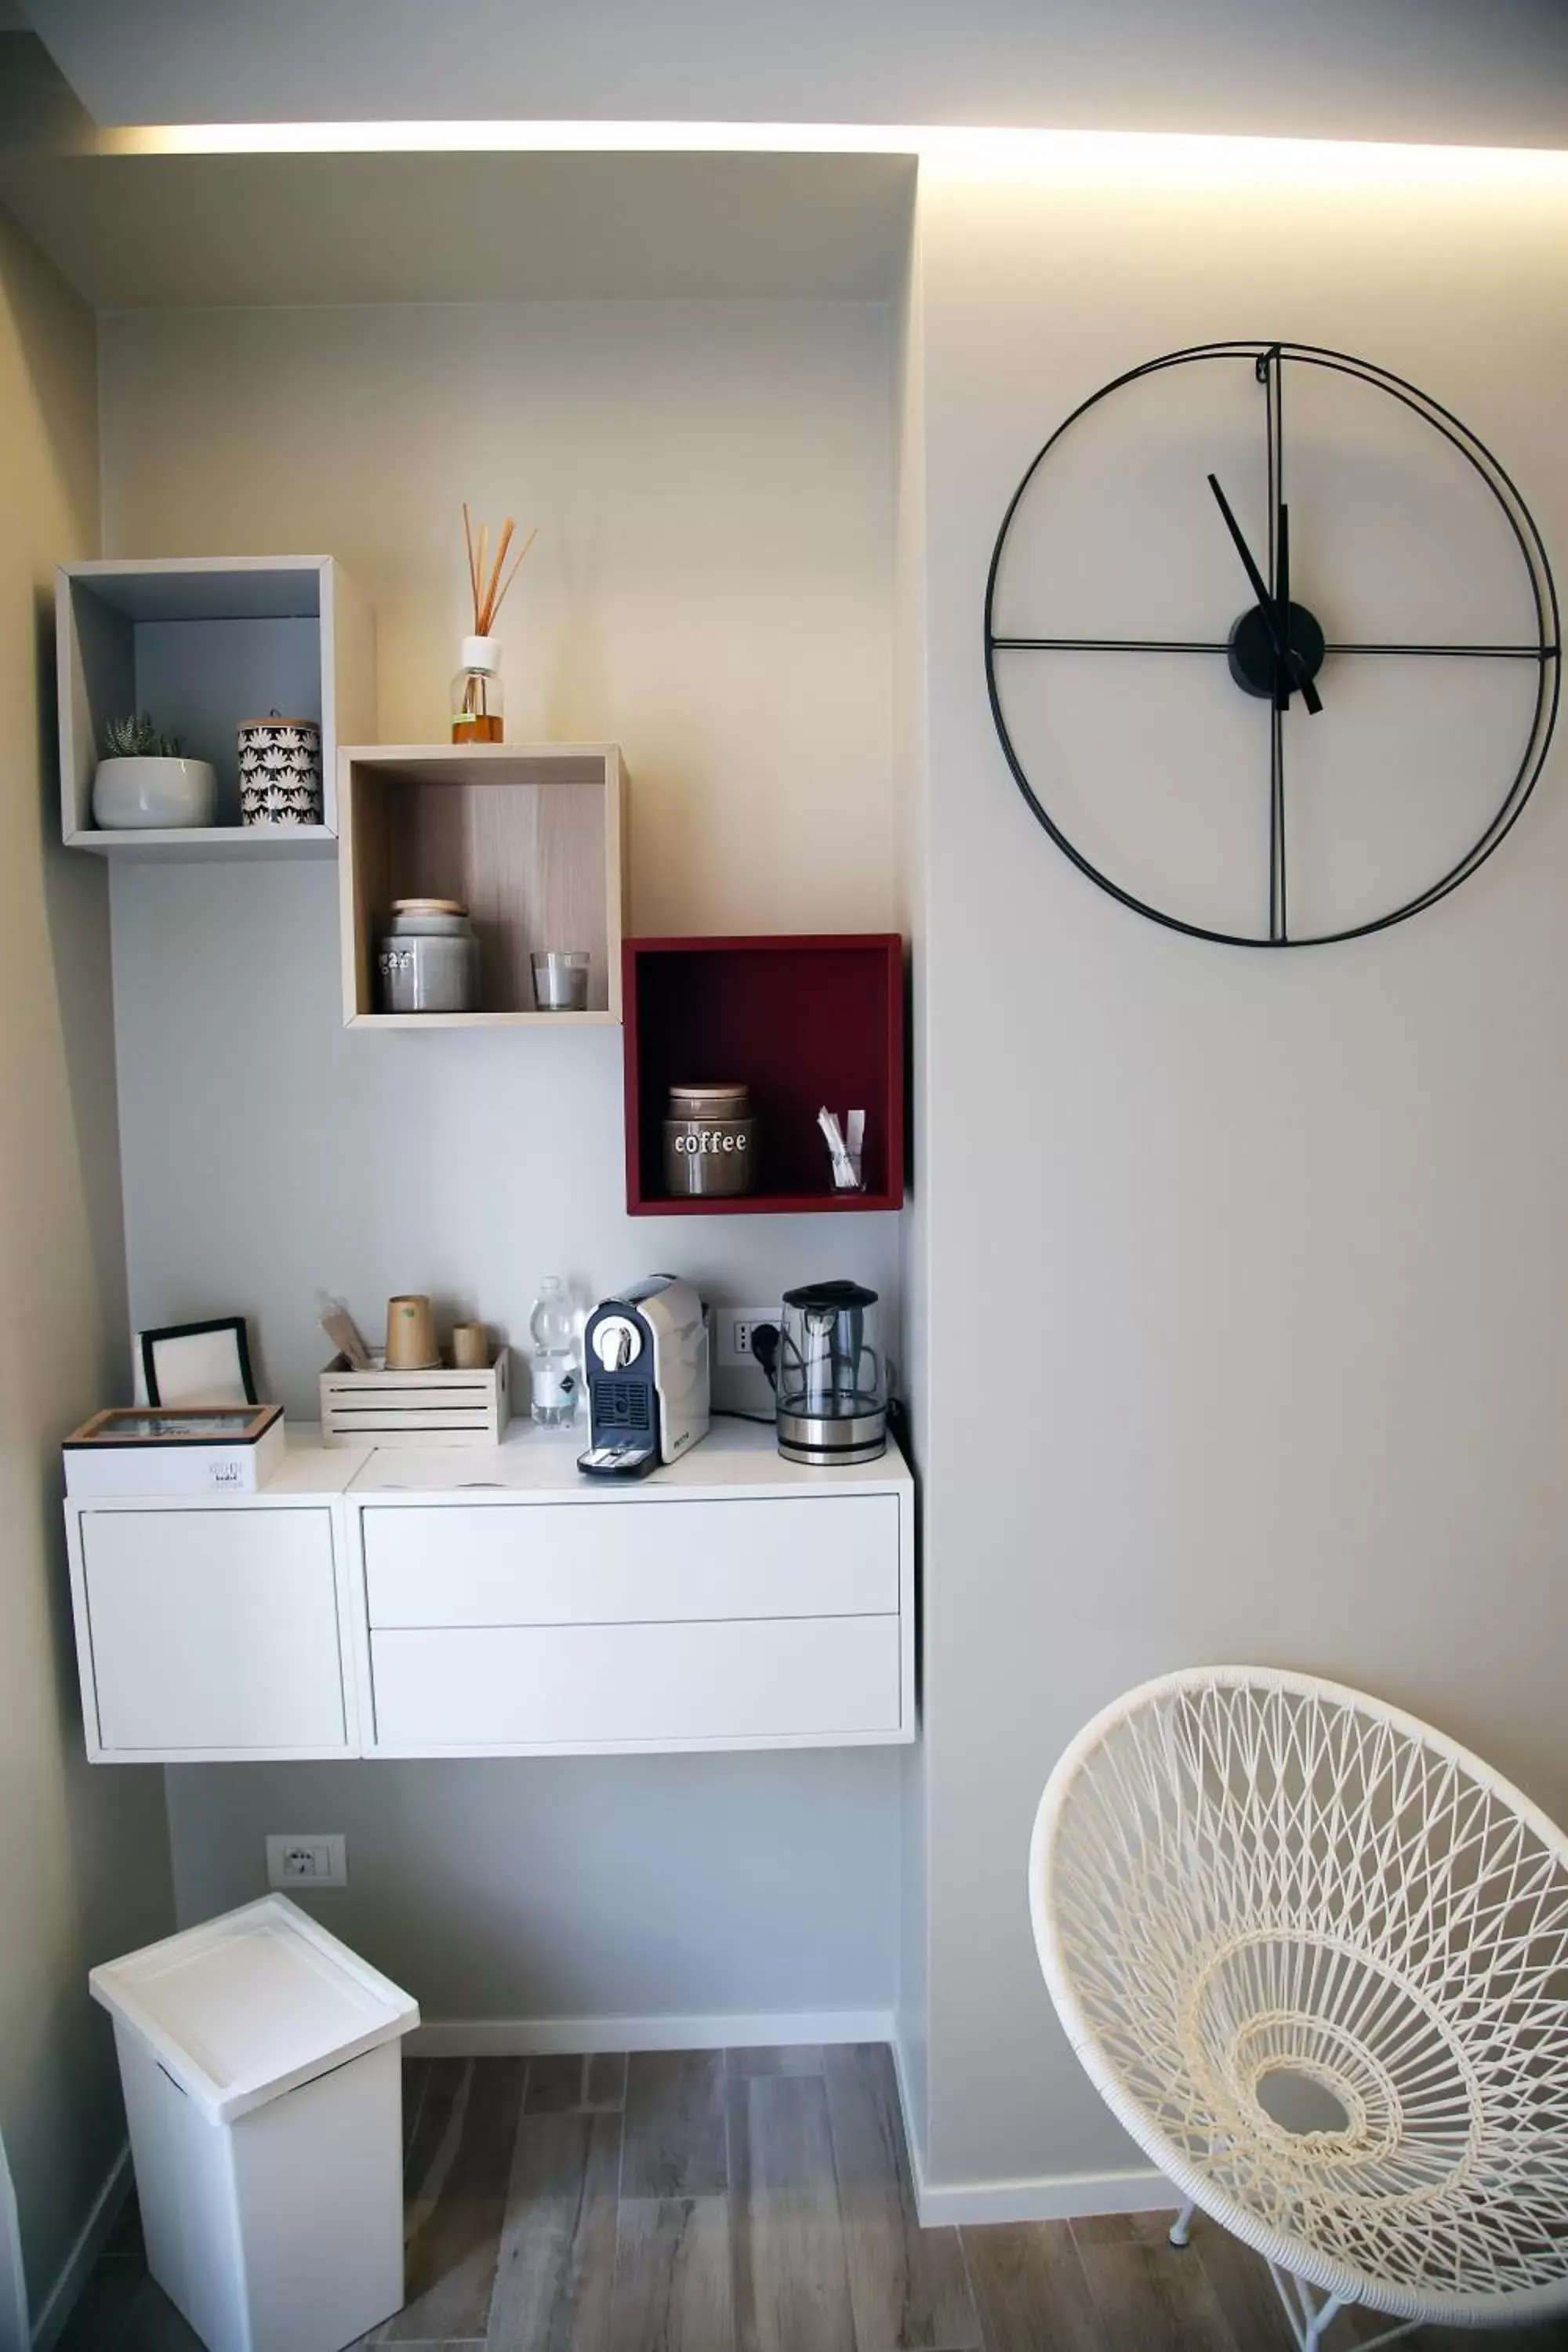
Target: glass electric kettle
828, 1373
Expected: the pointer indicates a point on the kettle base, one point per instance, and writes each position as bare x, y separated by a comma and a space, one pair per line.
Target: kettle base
823, 1443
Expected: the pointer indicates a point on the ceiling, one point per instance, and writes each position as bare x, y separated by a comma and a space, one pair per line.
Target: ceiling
149, 230
170, 232
1470, 71
137, 232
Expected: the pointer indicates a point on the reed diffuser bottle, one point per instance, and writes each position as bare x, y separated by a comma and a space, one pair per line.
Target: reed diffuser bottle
477, 715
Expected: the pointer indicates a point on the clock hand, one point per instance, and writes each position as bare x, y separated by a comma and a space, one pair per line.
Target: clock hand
1259, 586
1310, 695
1285, 651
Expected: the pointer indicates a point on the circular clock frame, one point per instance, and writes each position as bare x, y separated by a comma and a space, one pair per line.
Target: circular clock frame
1275, 649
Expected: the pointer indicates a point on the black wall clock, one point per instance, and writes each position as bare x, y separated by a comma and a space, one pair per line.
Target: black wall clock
1305, 599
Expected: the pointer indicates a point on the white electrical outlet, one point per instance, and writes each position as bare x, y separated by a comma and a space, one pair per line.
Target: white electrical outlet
302, 1862
736, 1325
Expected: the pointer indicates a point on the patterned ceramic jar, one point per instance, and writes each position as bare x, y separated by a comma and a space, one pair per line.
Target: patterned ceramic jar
280, 771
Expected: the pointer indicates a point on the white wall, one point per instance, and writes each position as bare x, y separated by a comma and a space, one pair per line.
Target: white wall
910, 795
1264, 1254
83, 1855
710, 586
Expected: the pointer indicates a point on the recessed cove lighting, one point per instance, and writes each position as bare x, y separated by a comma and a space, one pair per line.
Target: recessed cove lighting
1207, 158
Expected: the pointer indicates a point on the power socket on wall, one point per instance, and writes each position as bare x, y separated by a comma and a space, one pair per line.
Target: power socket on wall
307, 1861
735, 1327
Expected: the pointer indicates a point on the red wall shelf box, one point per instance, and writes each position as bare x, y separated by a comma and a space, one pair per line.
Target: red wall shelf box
803, 1020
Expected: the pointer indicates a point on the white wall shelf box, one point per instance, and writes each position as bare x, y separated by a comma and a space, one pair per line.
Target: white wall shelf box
528, 835
203, 643
496, 1602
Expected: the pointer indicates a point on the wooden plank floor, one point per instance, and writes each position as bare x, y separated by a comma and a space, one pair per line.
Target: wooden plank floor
741, 2200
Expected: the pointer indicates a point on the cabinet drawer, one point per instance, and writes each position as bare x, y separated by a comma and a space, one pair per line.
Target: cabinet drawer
214, 1630
613, 1562
613, 1686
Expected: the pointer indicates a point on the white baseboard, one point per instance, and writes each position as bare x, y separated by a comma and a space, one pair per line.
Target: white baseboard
91, 2241
544, 2037
1052, 2197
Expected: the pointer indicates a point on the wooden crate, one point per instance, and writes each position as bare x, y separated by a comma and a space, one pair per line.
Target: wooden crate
440, 1408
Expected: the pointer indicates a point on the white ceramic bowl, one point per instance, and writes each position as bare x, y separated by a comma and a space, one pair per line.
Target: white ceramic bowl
132, 794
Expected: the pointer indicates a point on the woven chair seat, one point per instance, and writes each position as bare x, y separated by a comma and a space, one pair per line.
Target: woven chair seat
1315, 1955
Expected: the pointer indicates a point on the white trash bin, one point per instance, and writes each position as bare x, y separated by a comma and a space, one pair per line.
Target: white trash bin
264, 2087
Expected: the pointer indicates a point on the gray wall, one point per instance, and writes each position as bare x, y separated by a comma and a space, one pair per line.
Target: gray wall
1264, 1253
712, 585
83, 1854
655, 1886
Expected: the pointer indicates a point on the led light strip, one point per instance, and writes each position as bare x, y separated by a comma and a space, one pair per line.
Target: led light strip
1120, 155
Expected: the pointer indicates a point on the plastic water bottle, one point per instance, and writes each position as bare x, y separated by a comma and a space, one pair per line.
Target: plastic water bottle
556, 1378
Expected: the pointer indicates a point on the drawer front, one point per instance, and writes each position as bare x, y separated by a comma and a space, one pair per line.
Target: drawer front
214, 1630
617, 1563
606, 1686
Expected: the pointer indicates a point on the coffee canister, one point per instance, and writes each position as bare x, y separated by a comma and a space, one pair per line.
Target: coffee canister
279, 771
429, 960
710, 1141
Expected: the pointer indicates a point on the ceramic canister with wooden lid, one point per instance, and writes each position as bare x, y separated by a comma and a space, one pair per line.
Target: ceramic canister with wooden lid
710, 1141
429, 960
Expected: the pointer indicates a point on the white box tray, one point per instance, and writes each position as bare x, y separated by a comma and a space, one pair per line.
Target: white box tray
185, 1466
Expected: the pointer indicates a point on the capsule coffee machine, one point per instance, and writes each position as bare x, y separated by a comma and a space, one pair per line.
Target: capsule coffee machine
647, 1355
828, 1374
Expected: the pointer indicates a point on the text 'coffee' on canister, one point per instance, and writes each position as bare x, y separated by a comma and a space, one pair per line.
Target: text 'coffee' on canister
710, 1141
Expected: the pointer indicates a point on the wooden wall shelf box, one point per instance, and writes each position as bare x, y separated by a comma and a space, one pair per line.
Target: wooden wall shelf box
803, 1020
203, 643
528, 835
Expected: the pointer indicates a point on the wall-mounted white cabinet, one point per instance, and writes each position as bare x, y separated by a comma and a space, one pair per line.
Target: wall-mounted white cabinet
206, 1632
202, 643
494, 1603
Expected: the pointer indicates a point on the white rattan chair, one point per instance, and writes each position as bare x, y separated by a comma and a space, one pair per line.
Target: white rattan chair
1315, 1958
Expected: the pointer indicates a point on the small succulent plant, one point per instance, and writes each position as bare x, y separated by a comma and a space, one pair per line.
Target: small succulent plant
136, 738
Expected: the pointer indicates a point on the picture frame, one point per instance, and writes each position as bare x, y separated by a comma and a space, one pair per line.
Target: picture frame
192, 1364
201, 1424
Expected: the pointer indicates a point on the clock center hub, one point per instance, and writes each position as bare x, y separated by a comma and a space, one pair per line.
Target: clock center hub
1254, 655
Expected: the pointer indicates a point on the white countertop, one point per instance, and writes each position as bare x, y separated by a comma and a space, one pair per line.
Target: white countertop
736, 1458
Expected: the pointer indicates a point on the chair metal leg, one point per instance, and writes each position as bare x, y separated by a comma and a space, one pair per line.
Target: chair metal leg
1182, 2226
1311, 2320
1323, 2319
